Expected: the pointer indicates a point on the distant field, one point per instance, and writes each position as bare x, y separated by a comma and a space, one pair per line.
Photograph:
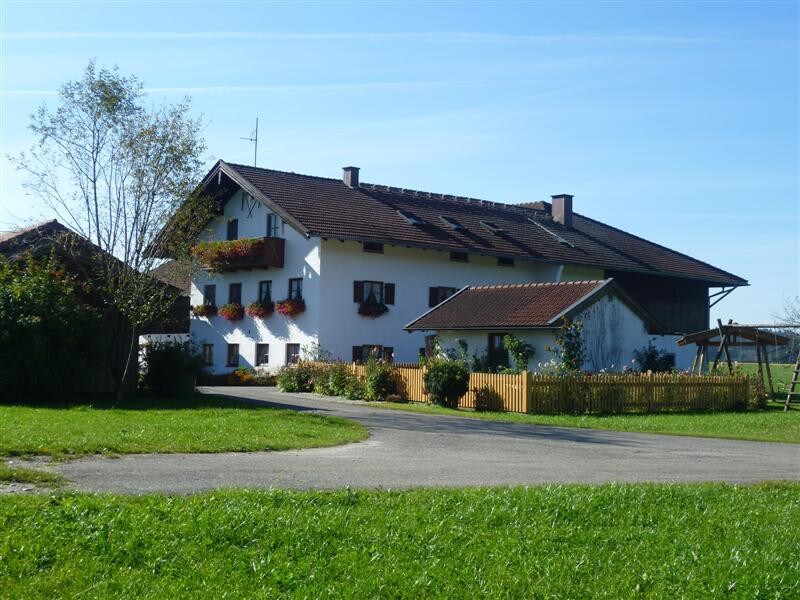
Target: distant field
781, 376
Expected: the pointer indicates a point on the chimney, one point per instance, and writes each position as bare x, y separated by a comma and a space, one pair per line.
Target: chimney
350, 177
562, 209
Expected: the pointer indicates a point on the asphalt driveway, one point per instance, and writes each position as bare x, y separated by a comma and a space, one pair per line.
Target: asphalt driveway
415, 450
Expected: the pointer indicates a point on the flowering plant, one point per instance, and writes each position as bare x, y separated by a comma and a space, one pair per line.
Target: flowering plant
260, 310
214, 255
232, 312
204, 310
372, 309
290, 307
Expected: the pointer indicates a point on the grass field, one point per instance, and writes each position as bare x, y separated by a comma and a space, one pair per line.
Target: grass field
627, 541
781, 376
206, 424
771, 425
9, 474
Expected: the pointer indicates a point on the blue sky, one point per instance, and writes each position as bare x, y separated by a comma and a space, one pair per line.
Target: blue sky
675, 121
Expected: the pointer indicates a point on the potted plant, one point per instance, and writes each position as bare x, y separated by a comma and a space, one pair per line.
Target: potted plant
232, 312
291, 307
260, 310
204, 310
215, 255
372, 309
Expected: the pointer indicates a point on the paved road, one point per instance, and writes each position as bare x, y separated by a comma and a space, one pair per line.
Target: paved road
411, 450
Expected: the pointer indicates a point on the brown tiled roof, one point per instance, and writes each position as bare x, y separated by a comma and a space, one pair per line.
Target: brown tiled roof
176, 273
326, 207
516, 306
11, 240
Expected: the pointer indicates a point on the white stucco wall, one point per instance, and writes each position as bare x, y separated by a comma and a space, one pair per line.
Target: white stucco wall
612, 332
302, 259
413, 271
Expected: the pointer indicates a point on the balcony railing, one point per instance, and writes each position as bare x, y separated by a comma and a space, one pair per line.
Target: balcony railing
236, 255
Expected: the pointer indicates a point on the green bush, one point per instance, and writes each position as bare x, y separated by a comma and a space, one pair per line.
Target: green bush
333, 379
650, 358
355, 390
297, 378
50, 341
170, 368
446, 381
380, 380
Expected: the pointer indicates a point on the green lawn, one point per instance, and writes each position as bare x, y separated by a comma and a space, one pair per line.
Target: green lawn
613, 541
9, 474
205, 424
771, 425
781, 376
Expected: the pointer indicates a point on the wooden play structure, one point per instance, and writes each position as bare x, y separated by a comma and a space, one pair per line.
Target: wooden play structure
730, 335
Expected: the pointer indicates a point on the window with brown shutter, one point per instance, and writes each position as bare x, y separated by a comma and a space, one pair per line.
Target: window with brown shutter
437, 295
388, 293
262, 354
233, 229
233, 355
210, 295
292, 354
235, 293
358, 291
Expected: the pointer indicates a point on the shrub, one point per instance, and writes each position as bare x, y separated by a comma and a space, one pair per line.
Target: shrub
355, 389
291, 307
520, 351
379, 379
171, 368
654, 359
50, 341
232, 312
569, 351
333, 380
204, 310
486, 399
446, 381
259, 310
296, 378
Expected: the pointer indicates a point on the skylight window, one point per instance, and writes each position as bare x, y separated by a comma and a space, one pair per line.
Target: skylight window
492, 227
557, 237
452, 223
410, 217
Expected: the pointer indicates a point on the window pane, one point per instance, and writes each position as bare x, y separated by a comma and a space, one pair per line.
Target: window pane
292, 353
233, 229
262, 354
295, 288
273, 225
265, 291
210, 295
373, 292
233, 355
235, 293
208, 354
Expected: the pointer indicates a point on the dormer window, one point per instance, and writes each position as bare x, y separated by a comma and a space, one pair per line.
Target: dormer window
233, 230
504, 261
410, 217
494, 228
452, 223
459, 257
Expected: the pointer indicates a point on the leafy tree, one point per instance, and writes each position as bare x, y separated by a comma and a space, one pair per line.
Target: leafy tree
520, 351
49, 338
115, 169
569, 351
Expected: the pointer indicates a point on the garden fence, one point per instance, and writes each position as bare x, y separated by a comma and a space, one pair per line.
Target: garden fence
604, 393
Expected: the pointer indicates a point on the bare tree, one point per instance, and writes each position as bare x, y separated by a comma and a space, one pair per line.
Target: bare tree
602, 332
115, 169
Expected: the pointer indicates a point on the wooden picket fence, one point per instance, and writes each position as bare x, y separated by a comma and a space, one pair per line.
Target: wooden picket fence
605, 393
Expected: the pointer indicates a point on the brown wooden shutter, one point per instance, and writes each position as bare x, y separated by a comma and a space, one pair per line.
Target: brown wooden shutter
358, 353
358, 291
433, 296
388, 293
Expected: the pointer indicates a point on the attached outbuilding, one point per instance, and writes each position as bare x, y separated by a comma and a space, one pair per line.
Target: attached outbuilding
614, 325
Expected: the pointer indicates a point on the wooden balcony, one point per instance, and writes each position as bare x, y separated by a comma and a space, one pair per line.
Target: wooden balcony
262, 253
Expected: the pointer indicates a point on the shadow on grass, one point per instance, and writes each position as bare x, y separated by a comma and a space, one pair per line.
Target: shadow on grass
139, 402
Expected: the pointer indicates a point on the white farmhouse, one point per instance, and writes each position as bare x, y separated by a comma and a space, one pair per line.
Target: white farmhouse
367, 259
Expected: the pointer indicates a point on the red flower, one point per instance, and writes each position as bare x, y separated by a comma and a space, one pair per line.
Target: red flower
290, 307
232, 312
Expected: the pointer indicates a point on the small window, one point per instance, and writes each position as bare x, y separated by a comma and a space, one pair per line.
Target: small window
410, 217
388, 354
459, 257
262, 354
235, 293
493, 227
210, 295
208, 354
374, 247
233, 229
292, 354
273, 225
373, 292
504, 261
295, 288
437, 295
452, 223
233, 355
265, 292
497, 355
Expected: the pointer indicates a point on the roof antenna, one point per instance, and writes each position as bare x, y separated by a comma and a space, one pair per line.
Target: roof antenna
254, 139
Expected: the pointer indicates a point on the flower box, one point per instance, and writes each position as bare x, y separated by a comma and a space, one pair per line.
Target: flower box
204, 310
291, 307
232, 312
260, 310
246, 253
372, 310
